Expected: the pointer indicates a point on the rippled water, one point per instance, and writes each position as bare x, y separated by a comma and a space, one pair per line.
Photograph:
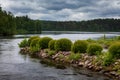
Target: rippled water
14, 66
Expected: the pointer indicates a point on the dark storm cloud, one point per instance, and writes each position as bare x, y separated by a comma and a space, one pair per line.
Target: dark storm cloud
63, 9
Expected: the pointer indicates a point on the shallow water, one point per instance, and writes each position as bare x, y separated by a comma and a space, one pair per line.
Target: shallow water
14, 66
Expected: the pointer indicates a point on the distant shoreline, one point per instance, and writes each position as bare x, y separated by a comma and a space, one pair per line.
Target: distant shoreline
78, 32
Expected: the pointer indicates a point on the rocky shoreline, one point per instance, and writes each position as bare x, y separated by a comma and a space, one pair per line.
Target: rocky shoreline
85, 61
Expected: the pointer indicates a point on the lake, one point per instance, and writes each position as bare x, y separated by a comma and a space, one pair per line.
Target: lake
14, 66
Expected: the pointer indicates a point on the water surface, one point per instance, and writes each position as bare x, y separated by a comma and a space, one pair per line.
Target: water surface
14, 66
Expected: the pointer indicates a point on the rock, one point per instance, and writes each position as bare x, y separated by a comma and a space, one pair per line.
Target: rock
55, 56
43, 55
98, 68
113, 73
107, 74
90, 67
86, 57
86, 63
81, 64
56, 59
116, 63
90, 64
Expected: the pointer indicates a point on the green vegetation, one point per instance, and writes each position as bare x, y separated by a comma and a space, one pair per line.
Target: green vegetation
35, 42
80, 46
34, 46
107, 59
94, 49
63, 45
74, 56
34, 49
51, 52
25, 25
51, 45
32, 38
23, 43
118, 37
7, 23
96, 25
114, 50
43, 43
10, 25
91, 41
104, 59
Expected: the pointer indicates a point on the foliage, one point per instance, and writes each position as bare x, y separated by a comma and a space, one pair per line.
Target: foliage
10, 25
46, 50
96, 25
107, 59
118, 37
90, 41
43, 43
94, 49
51, 44
80, 46
35, 42
27, 25
34, 46
32, 38
7, 23
51, 52
23, 43
34, 49
63, 45
104, 59
61, 56
74, 56
114, 50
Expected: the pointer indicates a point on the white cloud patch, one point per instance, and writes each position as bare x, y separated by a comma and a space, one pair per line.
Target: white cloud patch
63, 9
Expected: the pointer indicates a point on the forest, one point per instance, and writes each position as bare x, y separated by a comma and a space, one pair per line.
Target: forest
96, 25
10, 25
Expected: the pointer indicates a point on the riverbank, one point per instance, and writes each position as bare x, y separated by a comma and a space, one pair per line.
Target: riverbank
85, 60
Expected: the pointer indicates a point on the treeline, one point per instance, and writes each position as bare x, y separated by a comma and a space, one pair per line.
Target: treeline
26, 25
10, 25
7, 23
96, 25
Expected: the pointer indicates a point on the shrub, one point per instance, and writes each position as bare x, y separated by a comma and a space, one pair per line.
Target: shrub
107, 59
51, 45
35, 42
74, 56
32, 38
34, 49
94, 49
91, 41
118, 37
23, 43
80, 46
114, 50
34, 46
107, 43
63, 45
43, 43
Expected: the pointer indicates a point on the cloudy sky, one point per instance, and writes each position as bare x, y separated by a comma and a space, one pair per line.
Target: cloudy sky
62, 10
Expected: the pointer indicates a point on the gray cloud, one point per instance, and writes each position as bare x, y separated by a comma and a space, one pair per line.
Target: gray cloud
63, 9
